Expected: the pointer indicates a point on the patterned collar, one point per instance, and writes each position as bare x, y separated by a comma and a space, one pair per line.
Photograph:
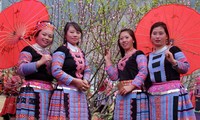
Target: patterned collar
160, 50
40, 49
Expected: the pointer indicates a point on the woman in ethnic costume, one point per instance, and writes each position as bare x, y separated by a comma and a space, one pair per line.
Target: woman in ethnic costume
34, 65
71, 69
131, 103
168, 98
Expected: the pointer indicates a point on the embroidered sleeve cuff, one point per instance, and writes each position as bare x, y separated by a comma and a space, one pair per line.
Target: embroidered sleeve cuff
69, 80
35, 67
108, 67
28, 68
175, 66
136, 84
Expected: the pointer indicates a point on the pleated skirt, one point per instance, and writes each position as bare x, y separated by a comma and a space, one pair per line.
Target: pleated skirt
32, 104
133, 106
171, 106
68, 104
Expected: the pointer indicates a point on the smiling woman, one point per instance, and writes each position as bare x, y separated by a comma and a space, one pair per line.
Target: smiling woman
34, 65
182, 29
72, 71
167, 95
131, 71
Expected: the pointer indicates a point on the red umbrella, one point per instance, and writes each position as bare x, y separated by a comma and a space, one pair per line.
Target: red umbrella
184, 28
16, 22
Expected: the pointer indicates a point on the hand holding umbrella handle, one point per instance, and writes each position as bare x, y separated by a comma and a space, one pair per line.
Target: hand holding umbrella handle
45, 59
170, 58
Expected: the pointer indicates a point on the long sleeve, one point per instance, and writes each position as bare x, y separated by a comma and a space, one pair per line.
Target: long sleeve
87, 72
57, 72
143, 72
25, 66
112, 72
183, 65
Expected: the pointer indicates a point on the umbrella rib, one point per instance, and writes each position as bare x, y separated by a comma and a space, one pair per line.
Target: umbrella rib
10, 27
195, 50
178, 25
194, 25
189, 39
193, 45
2, 43
28, 25
5, 40
35, 15
181, 38
172, 23
187, 50
29, 21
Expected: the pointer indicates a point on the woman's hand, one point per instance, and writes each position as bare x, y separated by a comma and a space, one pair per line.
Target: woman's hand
126, 89
82, 85
169, 56
45, 58
107, 57
86, 84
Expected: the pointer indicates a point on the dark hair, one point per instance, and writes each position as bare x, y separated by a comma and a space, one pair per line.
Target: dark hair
131, 33
37, 33
75, 25
163, 25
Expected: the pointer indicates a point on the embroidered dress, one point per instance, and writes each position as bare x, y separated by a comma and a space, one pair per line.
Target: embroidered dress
34, 96
168, 99
67, 102
132, 70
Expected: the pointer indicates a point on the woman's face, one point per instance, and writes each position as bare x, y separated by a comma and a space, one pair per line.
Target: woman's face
126, 41
45, 37
73, 36
159, 37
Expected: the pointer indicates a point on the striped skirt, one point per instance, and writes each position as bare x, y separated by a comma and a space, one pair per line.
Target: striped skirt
172, 104
33, 101
32, 104
68, 104
133, 106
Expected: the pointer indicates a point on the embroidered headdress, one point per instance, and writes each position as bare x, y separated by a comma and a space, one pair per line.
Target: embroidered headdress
40, 25
43, 25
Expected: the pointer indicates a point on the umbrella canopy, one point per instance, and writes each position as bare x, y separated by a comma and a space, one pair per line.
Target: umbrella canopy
16, 22
184, 29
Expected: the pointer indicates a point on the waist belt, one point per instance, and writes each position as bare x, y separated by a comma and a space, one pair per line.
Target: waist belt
135, 91
165, 92
67, 88
37, 87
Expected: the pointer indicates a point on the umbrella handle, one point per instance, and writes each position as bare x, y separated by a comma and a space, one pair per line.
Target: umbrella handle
32, 46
